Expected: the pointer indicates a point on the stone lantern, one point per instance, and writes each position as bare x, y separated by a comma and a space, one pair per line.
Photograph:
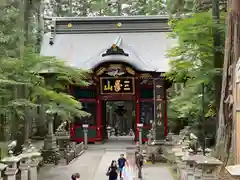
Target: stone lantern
50, 151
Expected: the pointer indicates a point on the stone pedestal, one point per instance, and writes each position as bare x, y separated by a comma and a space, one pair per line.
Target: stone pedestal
178, 156
159, 132
12, 168
140, 136
25, 163
11, 173
63, 141
24, 172
35, 160
155, 152
140, 126
2, 169
190, 166
207, 168
50, 152
85, 132
50, 142
50, 156
33, 171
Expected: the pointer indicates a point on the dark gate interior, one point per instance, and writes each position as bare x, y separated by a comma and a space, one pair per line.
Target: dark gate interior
120, 116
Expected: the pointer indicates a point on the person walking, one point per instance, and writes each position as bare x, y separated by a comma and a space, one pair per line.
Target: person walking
112, 171
121, 164
75, 176
139, 163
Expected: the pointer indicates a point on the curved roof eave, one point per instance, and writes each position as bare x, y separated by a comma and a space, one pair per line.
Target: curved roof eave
133, 59
116, 58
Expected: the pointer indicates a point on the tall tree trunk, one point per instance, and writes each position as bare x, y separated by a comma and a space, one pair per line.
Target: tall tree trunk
27, 19
232, 47
40, 24
218, 59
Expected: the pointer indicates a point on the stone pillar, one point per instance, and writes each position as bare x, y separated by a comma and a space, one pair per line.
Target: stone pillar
35, 159
33, 171
178, 156
190, 165
24, 167
50, 127
140, 127
2, 168
198, 172
12, 168
108, 131
85, 131
50, 151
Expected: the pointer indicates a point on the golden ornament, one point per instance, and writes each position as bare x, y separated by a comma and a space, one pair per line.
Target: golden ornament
119, 25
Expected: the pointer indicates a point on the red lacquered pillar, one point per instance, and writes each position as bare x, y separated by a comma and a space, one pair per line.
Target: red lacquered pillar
99, 118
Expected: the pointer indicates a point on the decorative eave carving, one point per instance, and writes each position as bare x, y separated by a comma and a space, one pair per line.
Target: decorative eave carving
115, 50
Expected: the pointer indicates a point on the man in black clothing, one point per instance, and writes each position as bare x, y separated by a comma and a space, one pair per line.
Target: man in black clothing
139, 163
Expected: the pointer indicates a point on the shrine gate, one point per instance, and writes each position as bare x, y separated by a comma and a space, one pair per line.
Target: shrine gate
126, 56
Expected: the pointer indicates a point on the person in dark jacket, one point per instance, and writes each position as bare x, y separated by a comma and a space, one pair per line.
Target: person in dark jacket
75, 176
112, 171
139, 162
121, 163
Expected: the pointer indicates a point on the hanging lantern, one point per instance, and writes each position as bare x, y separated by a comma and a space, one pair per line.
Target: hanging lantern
120, 111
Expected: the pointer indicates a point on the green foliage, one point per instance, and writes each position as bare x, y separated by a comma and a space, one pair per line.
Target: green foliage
192, 6
24, 90
9, 32
105, 8
192, 64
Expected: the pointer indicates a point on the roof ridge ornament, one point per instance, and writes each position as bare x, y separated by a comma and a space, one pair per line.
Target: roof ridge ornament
115, 50
118, 41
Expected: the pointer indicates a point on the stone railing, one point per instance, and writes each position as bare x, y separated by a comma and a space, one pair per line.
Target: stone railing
68, 150
199, 167
195, 166
74, 152
23, 166
79, 149
234, 171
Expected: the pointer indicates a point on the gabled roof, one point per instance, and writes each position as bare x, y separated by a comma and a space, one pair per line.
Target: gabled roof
84, 45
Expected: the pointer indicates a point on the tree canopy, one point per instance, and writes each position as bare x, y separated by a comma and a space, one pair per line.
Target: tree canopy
192, 65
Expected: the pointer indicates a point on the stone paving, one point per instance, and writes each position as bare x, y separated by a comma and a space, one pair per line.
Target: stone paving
93, 164
156, 172
86, 165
